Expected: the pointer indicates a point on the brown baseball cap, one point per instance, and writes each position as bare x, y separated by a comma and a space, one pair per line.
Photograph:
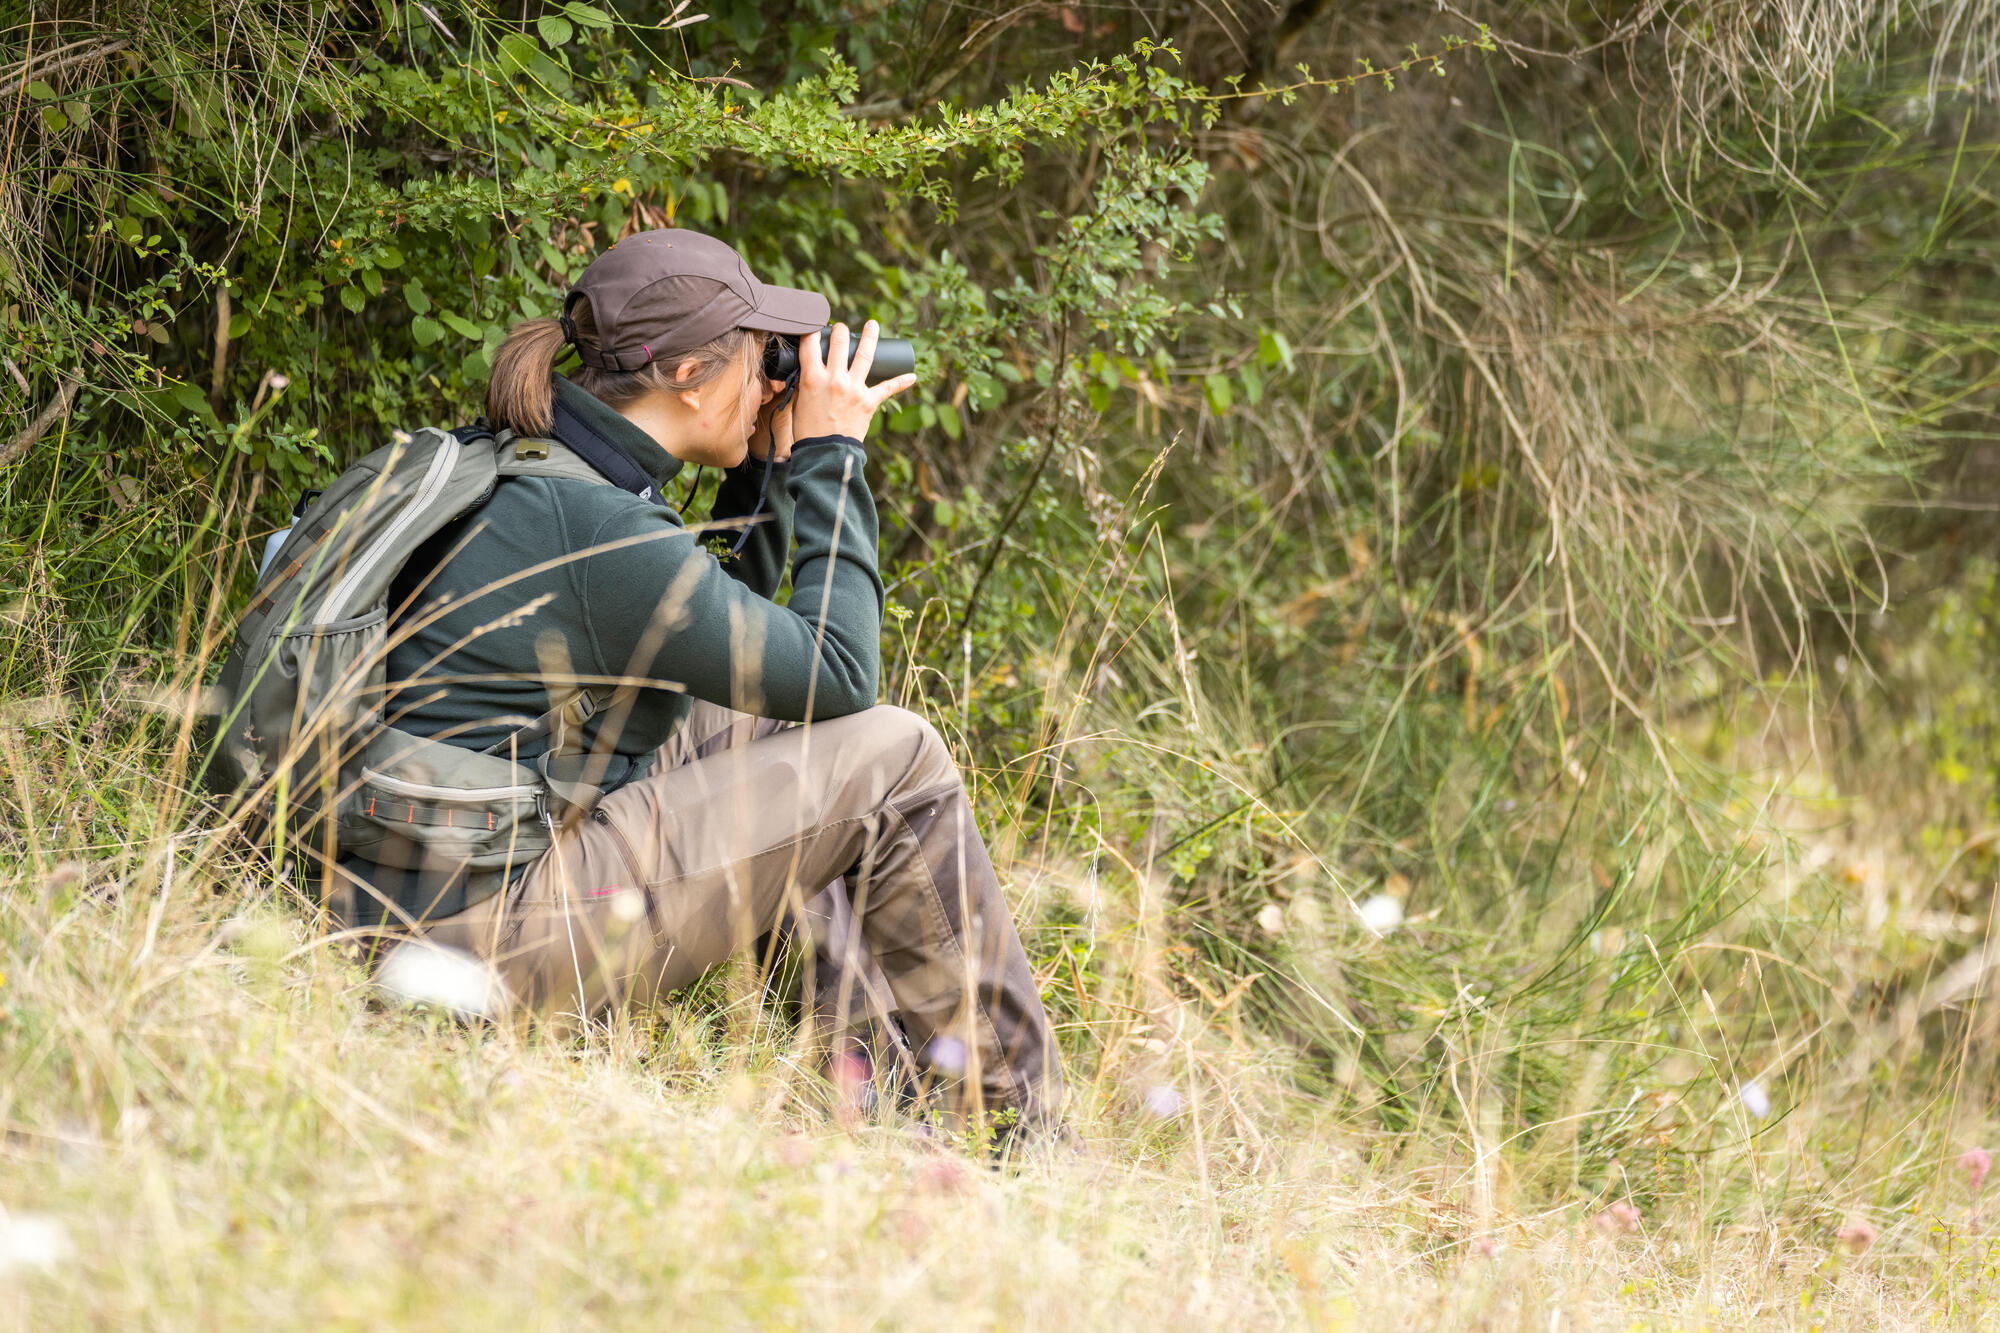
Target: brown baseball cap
661, 294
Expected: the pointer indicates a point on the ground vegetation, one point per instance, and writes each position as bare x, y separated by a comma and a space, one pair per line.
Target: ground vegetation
1452, 542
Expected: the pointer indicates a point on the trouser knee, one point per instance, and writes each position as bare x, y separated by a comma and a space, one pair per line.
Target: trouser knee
905, 741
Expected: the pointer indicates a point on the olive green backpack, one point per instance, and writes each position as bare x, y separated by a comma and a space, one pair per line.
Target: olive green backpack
302, 741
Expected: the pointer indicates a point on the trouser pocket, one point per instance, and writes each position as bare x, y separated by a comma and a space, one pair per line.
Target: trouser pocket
640, 881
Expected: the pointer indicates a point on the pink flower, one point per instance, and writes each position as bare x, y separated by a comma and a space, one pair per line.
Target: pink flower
849, 1070
943, 1175
911, 1227
1975, 1162
1620, 1219
1857, 1235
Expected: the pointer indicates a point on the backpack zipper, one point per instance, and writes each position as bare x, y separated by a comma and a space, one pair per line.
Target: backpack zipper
439, 472
404, 787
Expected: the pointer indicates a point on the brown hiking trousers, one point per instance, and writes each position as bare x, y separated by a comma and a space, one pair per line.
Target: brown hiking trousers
739, 827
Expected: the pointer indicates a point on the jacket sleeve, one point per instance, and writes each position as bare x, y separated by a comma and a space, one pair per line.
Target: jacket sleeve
760, 565
661, 606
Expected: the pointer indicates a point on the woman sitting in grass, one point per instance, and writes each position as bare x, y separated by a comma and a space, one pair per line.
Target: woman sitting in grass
724, 815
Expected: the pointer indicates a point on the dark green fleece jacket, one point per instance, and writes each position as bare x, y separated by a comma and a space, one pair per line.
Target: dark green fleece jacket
627, 593
619, 590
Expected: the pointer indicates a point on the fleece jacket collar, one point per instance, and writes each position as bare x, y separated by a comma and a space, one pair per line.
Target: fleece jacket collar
577, 411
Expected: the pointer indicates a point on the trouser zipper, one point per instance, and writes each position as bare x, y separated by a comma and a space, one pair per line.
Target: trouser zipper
638, 880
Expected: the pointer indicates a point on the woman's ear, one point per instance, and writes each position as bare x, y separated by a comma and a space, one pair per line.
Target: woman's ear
682, 374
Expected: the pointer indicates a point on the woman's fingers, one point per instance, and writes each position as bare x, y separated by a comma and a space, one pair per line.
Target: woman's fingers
835, 397
836, 349
812, 367
888, 389
864, 352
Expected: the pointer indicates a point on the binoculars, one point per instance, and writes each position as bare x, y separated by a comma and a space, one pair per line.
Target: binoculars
893, 357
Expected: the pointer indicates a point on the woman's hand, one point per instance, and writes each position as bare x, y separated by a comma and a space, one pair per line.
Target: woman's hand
834, 396
772, 440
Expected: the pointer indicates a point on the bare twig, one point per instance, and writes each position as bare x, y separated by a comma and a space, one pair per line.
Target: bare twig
437, 22
217, 375
27, 75
58, 406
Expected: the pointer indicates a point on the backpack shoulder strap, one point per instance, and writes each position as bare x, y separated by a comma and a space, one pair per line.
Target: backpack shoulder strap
565, 719
535, 456
610, 461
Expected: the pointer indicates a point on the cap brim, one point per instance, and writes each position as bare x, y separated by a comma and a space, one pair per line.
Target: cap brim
787, 310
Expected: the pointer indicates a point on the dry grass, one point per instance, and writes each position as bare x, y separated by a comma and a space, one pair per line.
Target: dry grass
202, 1097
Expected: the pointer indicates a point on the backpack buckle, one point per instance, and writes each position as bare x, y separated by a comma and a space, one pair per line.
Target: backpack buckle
533, 451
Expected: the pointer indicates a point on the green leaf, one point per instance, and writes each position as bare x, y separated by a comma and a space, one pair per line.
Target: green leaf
1273, 349
386, 256
353, 298
240, 322
1253, 383
586, 15
518, 53
372, 280
1220, 393
54, 118
190, 399
40, 91
413, 292
426, 331
458, 324
945, 512
555, 30
948, 419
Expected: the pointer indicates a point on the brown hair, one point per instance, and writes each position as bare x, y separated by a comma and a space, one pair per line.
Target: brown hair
520, 396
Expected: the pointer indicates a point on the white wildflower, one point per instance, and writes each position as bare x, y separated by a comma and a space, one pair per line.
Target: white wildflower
1382, 914
1163, 1102
1755, 1100
947, 1055
29, 1240
1271, 919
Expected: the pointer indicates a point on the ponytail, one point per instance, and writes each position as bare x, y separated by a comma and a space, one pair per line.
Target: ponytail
521, 397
